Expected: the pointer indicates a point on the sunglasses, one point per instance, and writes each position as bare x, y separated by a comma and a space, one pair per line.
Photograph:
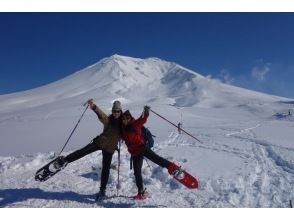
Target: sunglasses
116, 111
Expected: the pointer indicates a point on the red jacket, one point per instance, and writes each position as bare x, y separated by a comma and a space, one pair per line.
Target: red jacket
132, 135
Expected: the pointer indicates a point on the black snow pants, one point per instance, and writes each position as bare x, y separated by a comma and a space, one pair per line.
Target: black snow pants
138, 162
106, 160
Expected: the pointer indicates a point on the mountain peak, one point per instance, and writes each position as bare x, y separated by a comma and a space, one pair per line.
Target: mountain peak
122, 58
118, 56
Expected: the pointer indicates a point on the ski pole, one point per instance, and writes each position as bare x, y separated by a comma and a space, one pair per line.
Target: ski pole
74, 129
176, 126
118, 168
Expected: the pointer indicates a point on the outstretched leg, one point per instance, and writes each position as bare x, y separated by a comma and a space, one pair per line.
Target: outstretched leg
155, 158
90, 148
60, 162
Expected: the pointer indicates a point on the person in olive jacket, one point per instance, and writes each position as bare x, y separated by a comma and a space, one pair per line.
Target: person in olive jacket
107, 141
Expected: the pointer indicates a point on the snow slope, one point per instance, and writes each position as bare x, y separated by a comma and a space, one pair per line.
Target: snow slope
246, 159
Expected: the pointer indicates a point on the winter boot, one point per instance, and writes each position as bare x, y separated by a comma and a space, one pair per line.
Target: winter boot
176, 171
100, 195
60, 163
142, 194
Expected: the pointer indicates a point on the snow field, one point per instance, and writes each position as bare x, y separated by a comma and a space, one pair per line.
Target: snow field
246, 158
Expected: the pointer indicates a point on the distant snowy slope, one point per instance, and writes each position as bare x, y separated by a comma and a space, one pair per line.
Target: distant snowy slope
132, 79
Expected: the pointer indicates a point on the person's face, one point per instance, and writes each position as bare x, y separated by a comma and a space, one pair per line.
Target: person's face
126, 119
116, 113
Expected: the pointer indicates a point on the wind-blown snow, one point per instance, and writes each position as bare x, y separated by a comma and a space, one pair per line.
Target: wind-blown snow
246, 159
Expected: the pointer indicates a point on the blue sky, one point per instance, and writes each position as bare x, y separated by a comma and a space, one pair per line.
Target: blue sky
251, 50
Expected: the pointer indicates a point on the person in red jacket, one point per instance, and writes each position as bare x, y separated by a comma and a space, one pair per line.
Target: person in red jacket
131, 134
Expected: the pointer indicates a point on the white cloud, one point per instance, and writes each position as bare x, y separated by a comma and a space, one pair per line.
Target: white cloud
260, 71
226, 76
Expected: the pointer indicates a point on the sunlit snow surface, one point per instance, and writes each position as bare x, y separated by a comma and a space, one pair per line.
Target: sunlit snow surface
246, 158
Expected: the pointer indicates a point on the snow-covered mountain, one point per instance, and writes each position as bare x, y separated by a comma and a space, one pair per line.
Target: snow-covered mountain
246, 159
133, 80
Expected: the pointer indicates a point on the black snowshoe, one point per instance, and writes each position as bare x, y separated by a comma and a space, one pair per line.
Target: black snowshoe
51, 169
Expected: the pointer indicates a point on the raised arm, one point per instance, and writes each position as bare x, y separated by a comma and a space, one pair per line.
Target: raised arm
101, 115
143, 118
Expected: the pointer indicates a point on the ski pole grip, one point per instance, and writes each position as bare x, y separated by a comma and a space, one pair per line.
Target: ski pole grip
87, 102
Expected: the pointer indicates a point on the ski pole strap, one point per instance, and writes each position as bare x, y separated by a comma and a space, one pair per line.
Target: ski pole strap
73, 130
176, 126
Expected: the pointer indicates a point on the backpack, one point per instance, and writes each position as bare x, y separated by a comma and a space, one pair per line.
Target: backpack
145, 134
148, 137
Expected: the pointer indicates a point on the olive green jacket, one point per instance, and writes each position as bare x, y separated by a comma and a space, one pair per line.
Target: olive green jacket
109, 138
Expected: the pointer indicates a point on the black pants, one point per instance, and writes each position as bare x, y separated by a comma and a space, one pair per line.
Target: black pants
138, 162
106, 160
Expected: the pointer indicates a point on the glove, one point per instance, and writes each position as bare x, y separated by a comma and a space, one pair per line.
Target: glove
146, 109
90, 103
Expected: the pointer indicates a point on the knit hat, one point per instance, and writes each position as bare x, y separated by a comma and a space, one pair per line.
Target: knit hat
116, 106
128, 113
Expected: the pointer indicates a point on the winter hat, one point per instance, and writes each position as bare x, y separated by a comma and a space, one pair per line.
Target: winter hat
116, 106
127, 113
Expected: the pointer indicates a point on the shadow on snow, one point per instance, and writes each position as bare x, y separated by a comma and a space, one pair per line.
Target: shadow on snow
10, 196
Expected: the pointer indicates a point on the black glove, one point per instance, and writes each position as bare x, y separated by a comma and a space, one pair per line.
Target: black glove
146, 109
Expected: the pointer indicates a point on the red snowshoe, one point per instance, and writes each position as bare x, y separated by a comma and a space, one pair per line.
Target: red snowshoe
182, 176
